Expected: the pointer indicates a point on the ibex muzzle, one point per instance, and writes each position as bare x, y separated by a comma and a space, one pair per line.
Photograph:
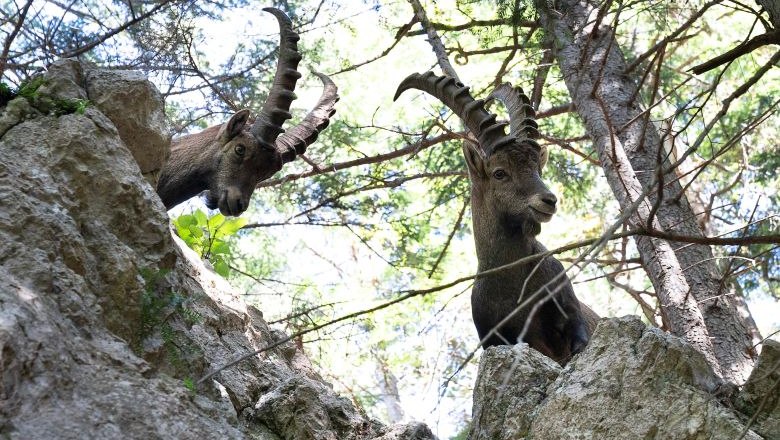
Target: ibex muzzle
229, 160
509, 202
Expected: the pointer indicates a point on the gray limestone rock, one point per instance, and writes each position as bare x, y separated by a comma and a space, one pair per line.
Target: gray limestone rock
131, 104
509, 390
135, 107
760, 397
409, 431
631, 382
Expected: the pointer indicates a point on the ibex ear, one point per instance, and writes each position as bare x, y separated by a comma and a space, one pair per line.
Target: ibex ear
474, 159
543, 156
234, 126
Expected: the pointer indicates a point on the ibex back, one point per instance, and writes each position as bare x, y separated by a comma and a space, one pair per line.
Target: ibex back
229, 160
533, 302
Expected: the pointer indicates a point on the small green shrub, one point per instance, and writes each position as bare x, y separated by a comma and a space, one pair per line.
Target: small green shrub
29, 90
6, 94
208, 236
189, 384
157, 311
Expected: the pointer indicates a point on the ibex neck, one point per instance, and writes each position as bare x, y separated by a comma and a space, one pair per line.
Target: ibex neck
497, 243
188, 169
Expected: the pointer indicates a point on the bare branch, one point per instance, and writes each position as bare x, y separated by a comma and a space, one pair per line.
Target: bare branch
454, 230
745, 48
568, 147
555, 110
714, 241
669, 38
434, 40
410, 149
475, 23
398, 37
99, 40
10, 38
383, 184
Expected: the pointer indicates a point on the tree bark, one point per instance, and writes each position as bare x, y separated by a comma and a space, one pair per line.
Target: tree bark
702, 306
434, 40
388, 388
773, 9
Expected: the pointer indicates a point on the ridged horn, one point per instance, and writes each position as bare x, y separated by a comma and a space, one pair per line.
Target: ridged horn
295, 140
456, 96
522, 117
276, 109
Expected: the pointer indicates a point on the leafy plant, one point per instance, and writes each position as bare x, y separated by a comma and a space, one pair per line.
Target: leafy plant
6, 93
189, 384
158, 307
30, 90
208, 236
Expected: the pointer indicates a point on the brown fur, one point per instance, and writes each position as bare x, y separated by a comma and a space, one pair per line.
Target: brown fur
507, 215
227, 161
534, 302
209, 161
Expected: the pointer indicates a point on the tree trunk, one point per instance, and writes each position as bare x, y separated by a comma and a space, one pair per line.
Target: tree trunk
773, 9
701, 306
388, 388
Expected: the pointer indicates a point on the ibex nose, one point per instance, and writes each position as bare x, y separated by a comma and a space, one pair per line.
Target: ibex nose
550, 200
232, 202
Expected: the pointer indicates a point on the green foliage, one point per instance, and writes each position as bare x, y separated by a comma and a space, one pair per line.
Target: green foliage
209, 236
6, 94
189, 384
29, 90
768, 166
159, 307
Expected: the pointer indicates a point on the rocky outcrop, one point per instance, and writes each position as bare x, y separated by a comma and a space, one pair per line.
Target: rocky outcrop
106, 322
631, 382
127, 99
508, 391
760, 397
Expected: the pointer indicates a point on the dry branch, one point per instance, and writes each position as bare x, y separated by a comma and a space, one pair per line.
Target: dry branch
743, 49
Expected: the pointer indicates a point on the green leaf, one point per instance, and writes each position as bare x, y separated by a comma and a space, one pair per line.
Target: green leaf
189, 384
215, 221
185, 220
220, 248
196, 231
200, 218
221, 267
231, 226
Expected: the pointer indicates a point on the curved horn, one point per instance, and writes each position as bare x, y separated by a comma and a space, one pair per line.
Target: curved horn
456, 96
296, 139
276, 109
522, 117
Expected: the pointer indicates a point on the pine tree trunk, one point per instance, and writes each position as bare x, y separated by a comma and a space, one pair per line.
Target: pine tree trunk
701, 306
388, 388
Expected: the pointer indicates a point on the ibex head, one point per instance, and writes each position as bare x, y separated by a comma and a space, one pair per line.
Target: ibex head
229, 160
504, 169
243, 160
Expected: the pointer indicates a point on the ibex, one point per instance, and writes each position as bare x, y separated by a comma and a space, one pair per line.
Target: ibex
227, 161
509, 202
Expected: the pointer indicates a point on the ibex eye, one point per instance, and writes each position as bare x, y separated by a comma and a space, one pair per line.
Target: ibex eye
240, 149
500, 174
